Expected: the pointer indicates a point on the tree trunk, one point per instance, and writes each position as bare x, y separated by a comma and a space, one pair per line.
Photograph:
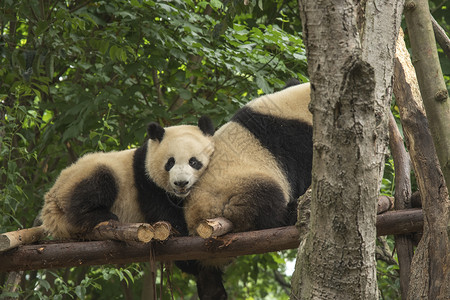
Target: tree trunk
350, 90
431, 81
430, 269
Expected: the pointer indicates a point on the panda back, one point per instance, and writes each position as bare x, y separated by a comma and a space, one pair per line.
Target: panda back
282, 124
290, 103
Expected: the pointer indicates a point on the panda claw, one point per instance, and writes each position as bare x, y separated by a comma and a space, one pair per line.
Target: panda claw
110, 223
113, 223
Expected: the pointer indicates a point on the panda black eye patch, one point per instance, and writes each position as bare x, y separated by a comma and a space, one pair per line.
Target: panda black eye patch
195, 163
169, 164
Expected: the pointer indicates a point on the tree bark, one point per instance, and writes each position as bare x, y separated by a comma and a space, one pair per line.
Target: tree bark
350, 78
405, 221
430, 270
431, 81
139, 232
74, 254
12, 283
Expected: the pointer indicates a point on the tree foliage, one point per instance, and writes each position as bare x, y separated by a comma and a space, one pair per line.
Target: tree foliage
83, 76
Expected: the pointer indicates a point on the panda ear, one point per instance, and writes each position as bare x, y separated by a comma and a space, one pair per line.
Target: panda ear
206, 125
155, 131
291, 82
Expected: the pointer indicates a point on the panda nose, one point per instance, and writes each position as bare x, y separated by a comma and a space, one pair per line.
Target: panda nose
181, 183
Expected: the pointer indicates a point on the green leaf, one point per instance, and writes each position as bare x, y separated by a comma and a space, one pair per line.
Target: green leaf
9, 295
114, 52
80, 291
106, 274
41, 27
136, 3
185, 94
45, 284
262, 84
216, 4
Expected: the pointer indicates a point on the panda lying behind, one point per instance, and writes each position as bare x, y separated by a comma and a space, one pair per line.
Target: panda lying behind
138, 185
261, 164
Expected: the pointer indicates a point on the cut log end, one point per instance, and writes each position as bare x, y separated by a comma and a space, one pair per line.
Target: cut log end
214, 227
204, 230
145, 233
13, 239
162, 230
4, 242
385, 203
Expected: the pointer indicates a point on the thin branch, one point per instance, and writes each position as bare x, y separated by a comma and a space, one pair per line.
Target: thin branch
74, 9
157, 85
441, 37
402, 165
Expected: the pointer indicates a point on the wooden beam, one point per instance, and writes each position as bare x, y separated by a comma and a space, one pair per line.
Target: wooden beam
72, 254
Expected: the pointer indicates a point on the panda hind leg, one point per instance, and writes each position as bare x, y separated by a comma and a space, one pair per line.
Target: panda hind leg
208, 278
92, 199
260, 204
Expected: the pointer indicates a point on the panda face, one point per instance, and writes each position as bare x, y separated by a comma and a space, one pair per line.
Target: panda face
179, 158
184, 173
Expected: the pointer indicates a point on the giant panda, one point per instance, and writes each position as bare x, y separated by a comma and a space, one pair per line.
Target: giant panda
146, 184
261, 164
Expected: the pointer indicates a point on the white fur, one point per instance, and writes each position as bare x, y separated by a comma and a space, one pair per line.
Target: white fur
181, 142
290, 103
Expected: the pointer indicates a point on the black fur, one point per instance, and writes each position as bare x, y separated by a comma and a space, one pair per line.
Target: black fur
291, 82
156, 203
290, 142
209, 285
155, 131
195, 163
92, 199
206, 125
209, 279
270, 211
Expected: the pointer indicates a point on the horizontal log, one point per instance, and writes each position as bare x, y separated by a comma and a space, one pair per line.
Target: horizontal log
139, 232
58, 255
400, 222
